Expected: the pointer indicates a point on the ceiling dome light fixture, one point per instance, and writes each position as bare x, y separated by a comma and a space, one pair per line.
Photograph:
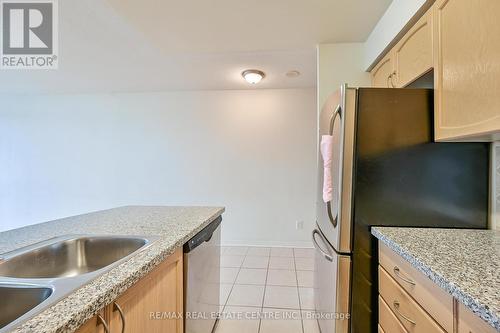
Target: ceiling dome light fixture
253, 76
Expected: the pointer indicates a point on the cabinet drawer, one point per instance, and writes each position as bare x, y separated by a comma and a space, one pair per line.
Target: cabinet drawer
387, 319
433, 299
409, 313
468, 322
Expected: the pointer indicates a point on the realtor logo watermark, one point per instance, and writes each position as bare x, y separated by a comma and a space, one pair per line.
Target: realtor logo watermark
29, 38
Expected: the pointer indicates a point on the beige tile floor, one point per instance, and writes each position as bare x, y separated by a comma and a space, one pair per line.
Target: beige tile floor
266, 290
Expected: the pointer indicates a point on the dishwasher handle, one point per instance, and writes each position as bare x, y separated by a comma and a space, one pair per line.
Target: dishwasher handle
203, 236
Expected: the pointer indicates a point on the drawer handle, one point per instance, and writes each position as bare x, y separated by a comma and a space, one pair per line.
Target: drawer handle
396, 309
397, 272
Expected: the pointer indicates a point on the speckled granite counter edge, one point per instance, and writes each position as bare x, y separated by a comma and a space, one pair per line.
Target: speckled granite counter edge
472, 304
70, 313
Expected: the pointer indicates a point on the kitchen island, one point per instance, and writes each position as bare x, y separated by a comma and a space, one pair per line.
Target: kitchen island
171, 227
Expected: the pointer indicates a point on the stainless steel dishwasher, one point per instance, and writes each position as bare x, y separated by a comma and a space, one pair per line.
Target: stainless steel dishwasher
202, 279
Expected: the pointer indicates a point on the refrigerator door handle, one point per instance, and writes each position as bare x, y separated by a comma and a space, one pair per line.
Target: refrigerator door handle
334, 117
336, 113
330, 216
316, 245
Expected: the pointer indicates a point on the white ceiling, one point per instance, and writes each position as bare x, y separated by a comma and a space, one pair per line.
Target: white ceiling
152, 45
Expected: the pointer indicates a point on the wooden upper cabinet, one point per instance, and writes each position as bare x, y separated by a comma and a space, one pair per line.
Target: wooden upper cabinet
413, 53
460, 40
409, 59
381, 73
467, 69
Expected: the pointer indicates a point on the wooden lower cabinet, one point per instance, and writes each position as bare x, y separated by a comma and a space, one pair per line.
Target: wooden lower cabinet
409, 313
387, 319
409, 302
470, 323
154, 304
437, 302
94, 325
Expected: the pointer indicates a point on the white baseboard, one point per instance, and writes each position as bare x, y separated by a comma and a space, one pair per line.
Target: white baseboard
298, 244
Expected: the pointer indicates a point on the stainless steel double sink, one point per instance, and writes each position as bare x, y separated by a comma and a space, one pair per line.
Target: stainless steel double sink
37, 276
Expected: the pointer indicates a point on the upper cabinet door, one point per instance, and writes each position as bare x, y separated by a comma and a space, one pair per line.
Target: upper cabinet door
382, 73
413, 53
467, 69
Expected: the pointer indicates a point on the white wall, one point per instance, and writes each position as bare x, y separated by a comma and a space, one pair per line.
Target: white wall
392, 22
251, 151
338, 64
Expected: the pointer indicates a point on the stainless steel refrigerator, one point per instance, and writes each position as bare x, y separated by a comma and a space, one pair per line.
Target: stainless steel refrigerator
386, 171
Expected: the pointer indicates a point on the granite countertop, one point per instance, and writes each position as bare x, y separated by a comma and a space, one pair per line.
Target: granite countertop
463, 262
173, 225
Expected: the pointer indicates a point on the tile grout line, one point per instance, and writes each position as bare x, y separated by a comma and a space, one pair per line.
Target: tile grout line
236, 278
298, 293
221, 306
232, 287
294, 269
265, 282
265, 288
228, 295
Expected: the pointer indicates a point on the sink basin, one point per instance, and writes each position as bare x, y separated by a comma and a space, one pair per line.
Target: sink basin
68, 257
18, 299
37, 276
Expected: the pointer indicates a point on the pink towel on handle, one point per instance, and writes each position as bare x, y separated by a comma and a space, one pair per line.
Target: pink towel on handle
326, 152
